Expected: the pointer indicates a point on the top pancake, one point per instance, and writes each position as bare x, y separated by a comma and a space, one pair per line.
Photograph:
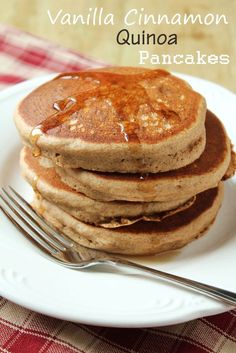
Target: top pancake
115, 119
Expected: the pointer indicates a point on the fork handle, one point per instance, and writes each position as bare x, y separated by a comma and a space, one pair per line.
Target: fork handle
211, 291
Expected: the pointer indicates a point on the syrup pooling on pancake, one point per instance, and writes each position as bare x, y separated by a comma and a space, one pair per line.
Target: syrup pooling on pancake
126, 94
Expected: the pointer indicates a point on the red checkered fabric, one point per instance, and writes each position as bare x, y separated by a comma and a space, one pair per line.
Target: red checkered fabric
23, 56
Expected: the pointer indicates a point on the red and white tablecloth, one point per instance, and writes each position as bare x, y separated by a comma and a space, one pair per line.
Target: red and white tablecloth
23, 56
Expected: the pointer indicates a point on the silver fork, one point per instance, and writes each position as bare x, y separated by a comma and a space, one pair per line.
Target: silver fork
65, 252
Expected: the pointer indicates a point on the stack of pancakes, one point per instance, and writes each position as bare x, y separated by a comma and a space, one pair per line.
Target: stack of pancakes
124, 160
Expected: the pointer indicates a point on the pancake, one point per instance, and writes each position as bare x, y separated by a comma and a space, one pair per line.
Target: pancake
142, 238
47, 183
204, 173
115, 120
232, 166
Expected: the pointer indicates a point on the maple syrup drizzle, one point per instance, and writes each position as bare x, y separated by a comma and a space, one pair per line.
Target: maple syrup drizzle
64, 103
34, 183
125, 93
34, 137
143, 176
38, 130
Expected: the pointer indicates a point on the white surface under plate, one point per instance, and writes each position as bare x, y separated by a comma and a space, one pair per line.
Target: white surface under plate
116, 299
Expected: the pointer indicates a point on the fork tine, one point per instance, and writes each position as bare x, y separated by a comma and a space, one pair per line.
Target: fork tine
24, 228
27, 220
28, 208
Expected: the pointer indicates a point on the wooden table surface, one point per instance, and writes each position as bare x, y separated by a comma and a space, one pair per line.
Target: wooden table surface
100, 41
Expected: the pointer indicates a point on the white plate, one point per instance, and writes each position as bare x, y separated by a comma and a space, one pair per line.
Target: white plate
105, 298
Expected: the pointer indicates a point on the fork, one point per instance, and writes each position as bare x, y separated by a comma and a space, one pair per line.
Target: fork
65, 252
